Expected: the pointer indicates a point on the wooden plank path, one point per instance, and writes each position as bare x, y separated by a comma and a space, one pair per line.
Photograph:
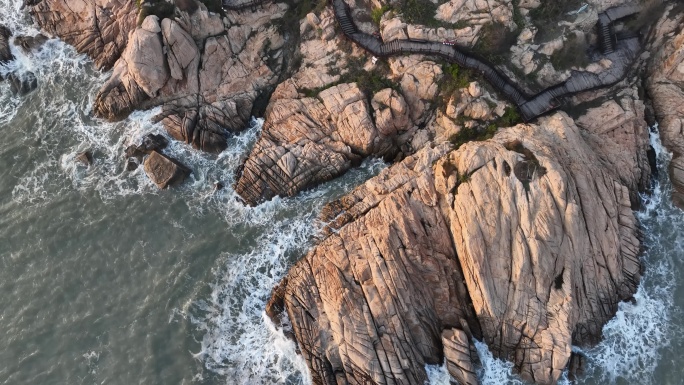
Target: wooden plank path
621, 52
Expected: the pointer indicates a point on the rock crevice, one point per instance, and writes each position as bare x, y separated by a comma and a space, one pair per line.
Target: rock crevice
450, 245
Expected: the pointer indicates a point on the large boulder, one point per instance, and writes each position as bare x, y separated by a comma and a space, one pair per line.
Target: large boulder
164, 171
526, 241
307, 141
207, 75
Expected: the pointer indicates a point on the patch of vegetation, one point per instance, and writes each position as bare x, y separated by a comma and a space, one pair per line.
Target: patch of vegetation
495, 42
289, 23
369, 82
159, 8
511, 117
548, 14
189, 6
215, 6
376, 14
304, 7
518, 17
508, 119
455, 78
475, 134
652, 10
461, 77
573, 54
551, 11
420, 12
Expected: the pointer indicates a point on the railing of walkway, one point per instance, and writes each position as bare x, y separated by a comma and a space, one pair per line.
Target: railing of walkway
530, 107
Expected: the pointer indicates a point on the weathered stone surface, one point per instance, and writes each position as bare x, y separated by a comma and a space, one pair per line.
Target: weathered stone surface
491, 240
666, 89
98, 28
298, 148
621, 138
308, 141
164, 171
458, 356
391, 112
476, 11
419, 83
206, 75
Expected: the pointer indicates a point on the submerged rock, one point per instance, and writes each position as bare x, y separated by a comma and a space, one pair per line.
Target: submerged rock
132, 164
150, 143
85, 157
30, 43
164, 171
451, 245
22, 84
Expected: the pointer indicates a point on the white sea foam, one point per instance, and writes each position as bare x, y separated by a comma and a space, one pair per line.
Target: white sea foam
232, 317
437, 375
493, 370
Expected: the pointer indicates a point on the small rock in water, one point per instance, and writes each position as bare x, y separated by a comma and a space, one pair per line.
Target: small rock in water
150, 143
30, 43
131, 164
164, 171
576, 366
134, 151
218, 186
153, 142
85, 157
22, 85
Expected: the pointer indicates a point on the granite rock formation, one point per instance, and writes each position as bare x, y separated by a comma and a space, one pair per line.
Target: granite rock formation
98, 28
205, 71
164, 171
666, 89
489, 241
311, 140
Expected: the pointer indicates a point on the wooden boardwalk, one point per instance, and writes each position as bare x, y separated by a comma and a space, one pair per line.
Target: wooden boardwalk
621, 52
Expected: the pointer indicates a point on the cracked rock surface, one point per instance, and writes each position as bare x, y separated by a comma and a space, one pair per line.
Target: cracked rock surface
491, 241
666, 89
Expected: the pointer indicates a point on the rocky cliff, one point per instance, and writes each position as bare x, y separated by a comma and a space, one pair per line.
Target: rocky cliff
489, 241
666, 89
206, 69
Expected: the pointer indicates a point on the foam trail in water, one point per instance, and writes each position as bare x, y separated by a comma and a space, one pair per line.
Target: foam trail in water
493, 370
232, 317
437, 375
